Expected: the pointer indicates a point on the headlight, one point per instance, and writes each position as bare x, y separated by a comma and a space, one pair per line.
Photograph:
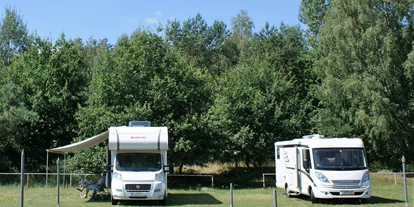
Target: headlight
322, 177
117, 175
159, 176
365, 178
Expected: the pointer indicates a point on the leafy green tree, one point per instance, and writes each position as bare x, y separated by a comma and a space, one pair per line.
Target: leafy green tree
206, 47
365, 89
14, 36
224, 52
265, 98
285, 49
94, 50
312, 13
255, 107
53, 78
14, 119
242, 30
142, 78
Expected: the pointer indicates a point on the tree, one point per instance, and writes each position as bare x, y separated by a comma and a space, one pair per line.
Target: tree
265, 98
94, 50
242, 30
312, 13
14, 36
255, 107
206, 47
14, 119
142, 78
53, 78
365, 90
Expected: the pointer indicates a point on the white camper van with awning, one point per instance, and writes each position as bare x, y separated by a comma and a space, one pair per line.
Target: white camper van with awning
136, 160
138, 156
326, 168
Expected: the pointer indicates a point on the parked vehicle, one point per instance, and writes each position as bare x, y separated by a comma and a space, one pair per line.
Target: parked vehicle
323, 168
137, 155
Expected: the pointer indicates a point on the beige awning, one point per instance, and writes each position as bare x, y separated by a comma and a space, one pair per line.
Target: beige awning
84, 144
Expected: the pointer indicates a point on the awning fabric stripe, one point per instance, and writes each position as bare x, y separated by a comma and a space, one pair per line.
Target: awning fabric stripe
82, 144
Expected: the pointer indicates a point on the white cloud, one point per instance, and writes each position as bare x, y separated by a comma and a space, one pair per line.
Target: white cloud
152, 20
158, 13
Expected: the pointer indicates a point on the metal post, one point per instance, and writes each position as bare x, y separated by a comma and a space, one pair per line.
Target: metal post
47, 167
22, 180
64, 169
405, 182
274, 198
264, 181
231, 194
57, 181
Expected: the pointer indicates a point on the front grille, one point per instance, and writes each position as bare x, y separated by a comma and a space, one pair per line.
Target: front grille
346, 184
137, 187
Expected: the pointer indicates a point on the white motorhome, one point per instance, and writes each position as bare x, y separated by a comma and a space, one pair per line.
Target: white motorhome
137, 155
323, 168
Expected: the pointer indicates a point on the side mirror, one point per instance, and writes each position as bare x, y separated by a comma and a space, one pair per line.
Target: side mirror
169, 168
107, 168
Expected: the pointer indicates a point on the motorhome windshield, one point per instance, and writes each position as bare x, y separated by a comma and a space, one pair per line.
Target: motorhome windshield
138, 162
339, 159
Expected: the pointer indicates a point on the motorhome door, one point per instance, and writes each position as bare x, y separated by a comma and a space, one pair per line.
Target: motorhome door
292, 167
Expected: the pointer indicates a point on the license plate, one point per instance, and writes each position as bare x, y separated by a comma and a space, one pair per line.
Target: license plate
346, 193
137, 194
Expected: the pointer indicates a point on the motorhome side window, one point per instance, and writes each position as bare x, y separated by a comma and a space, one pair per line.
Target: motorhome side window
339, 158
306, 159
138, 162
278, 152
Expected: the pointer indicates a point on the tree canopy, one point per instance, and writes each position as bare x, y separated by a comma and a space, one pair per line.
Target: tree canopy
226, 92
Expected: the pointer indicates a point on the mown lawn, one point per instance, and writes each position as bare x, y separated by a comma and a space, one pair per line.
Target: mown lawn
385, 193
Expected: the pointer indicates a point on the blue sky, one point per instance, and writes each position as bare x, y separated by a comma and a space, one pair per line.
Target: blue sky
111, 19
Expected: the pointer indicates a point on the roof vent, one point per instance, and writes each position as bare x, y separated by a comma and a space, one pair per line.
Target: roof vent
139, 124
313, 136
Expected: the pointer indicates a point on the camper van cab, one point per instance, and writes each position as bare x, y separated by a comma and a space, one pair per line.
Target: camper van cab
323, 168
138, 156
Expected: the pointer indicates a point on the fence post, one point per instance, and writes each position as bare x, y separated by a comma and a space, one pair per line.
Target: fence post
231, 194
405, 181
274, 198
47, 168
64, 169
264, 181
22, 180
57, 181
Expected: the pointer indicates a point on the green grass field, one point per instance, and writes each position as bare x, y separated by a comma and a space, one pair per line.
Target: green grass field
385, 193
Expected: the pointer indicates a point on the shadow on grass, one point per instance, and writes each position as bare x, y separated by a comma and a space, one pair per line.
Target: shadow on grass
347, 201
379, 200
105, 198
192, 199
172, 199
